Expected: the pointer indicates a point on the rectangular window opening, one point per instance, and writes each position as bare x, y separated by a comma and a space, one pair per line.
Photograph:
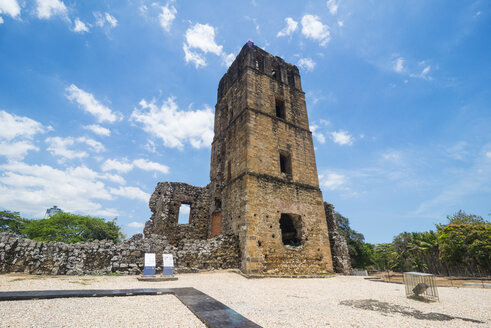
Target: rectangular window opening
280, 108
291, 229
285, 163
184, 211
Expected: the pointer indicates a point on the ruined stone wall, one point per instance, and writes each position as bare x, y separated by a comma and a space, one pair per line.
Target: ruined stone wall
102, 257
164, 204
339, 248
264, 249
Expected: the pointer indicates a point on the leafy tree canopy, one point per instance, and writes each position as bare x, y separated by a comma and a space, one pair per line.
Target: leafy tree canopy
461, 217
62, 227
71, 228
12, 222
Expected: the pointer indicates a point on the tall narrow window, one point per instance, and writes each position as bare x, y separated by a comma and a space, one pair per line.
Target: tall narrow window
285, 163
184, 212
280, 108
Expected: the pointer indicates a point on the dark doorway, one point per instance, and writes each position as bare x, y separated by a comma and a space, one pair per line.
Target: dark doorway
290, 230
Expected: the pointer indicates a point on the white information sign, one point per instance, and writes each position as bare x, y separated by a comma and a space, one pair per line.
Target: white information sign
149, 259
168, 260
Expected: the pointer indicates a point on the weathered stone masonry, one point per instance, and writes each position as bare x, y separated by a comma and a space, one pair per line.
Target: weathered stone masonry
101, 257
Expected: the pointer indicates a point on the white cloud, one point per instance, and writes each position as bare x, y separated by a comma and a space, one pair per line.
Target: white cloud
47, 8
121, 167
102, 19
340, 23
488, 154
89, 104
59, 146
131, 193
16, 150
202, 37
291, 26
95, 145
332, 181
306, 63
173, 126
13, 126
342, 137
125, 166
135, 224
167, 16
9, 7
313, 28
16, 134
194, 57
423, 74
319, 136
97, 129
150, 146
111, 20
80, 26
399, 65
31, 189
333, 6
1, 20
150, 166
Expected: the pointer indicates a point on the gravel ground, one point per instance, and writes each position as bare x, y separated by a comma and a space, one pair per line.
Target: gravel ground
271, 302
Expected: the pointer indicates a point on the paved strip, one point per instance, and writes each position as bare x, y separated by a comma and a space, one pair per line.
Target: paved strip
213, 313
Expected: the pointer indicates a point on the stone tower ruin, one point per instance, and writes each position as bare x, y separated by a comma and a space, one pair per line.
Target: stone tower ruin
264, 186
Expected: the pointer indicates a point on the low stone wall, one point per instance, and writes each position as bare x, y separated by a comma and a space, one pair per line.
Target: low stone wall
102, 257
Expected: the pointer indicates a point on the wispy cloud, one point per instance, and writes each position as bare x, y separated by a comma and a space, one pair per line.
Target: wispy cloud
131, 193
167, 16
333, 6
306, 63
105, 19
80, 26
291, 26
135, 224
63, 147
332, 181
342, 137
97, 129
89, 104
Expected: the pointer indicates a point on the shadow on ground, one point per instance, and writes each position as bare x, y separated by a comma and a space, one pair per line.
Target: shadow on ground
384, 307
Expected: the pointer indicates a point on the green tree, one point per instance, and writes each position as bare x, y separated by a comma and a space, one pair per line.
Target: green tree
71, 228
359, 251
466, 248
461, 217
12, 222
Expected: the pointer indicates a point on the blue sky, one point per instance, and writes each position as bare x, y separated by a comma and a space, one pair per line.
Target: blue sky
100, 100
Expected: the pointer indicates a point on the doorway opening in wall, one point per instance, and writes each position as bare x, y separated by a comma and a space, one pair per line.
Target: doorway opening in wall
291, 229
184, 211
